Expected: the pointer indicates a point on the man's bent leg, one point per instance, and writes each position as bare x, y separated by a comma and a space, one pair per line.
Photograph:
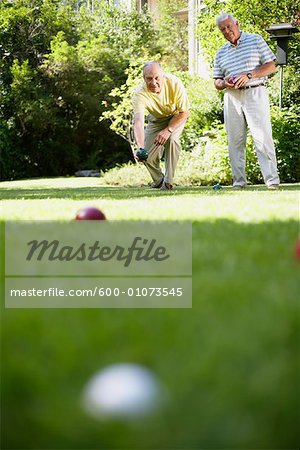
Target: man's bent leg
258, 118
236, 129
172, 151
155, 151
153, 163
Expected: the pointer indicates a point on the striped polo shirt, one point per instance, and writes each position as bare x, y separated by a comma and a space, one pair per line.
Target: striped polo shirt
250, 52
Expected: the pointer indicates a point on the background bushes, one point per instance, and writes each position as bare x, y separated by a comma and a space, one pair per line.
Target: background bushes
61, 69
286, 134
58, 66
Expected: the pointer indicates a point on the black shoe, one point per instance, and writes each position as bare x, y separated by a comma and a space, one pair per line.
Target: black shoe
157, 186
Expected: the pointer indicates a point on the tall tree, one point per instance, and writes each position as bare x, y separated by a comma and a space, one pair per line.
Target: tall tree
58, 65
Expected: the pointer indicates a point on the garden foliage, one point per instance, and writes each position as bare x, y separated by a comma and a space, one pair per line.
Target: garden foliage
68, 74
58, 65
205, 123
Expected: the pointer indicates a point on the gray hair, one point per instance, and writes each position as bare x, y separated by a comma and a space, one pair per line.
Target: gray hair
225, 16
150, 63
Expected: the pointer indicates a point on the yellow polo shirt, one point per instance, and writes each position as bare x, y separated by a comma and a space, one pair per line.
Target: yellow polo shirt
171, 100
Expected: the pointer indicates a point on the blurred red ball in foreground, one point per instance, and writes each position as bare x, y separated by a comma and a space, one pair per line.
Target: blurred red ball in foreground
90, 213
297, 250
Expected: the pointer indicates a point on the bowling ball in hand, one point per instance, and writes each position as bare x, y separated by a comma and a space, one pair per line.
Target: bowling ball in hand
142, 154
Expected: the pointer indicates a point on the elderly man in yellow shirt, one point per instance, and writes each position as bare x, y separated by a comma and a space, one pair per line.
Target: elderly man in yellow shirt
164, 97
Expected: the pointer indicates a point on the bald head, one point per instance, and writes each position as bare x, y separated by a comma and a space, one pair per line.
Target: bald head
151, 64
153, 76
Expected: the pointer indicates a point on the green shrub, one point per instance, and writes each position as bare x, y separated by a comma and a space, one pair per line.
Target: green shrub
208, 162
55, 81
286, 135
128, 175
206, 109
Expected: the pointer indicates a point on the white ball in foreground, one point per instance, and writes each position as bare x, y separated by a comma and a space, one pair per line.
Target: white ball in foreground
121, 391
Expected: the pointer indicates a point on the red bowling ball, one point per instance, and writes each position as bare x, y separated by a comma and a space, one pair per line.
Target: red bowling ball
90, 213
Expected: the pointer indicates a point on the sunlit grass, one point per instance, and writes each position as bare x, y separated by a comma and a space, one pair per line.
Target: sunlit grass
60, 199
229, 364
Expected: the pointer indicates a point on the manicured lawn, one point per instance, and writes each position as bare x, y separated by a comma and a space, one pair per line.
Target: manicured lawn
230, 364
60, 199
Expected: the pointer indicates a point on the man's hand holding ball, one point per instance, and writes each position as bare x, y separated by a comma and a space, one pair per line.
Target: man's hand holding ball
141, 155
230, 82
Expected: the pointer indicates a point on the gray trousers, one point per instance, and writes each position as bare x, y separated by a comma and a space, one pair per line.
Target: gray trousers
250, 107
155, 151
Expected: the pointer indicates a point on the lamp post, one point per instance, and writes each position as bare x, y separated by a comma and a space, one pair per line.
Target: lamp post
282, 32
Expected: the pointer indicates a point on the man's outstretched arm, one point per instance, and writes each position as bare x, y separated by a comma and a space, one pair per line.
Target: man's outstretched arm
138, 130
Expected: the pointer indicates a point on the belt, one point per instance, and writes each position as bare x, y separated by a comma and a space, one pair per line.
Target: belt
254, 86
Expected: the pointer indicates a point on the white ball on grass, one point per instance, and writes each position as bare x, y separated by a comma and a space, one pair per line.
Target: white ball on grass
121, 391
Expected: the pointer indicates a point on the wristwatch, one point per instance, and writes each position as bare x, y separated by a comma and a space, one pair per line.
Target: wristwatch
249, 75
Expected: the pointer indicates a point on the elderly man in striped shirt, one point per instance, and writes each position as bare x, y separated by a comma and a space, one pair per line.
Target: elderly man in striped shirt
241, 68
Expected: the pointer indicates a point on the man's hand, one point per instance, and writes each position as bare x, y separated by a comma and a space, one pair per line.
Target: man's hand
225, 83
135, 157
229, 82
177, 120
236, 81
240, 80
162, 137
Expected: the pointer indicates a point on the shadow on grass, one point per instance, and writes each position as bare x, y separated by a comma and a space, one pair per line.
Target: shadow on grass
231, 360
121, 193
229, 363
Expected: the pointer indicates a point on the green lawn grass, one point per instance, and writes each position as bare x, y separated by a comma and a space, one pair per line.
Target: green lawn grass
60, 199
230, 364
